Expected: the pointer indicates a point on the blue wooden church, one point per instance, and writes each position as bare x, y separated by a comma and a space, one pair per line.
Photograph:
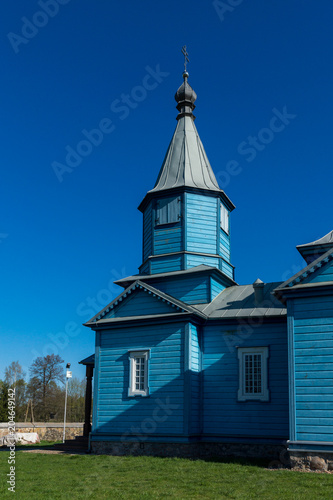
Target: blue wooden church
189, 363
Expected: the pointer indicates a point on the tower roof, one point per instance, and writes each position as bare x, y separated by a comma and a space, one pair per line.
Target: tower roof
325, 240
311, 251
186, 163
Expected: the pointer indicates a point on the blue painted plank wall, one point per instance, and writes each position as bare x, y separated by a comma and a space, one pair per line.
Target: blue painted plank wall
323, 274
223, 414
139, 303
193, 290
144, 269
147, 232
166, 264
195, 367
196, 260
163, 411
216, 288
201, 220
227, 269
313, 341
224, 245
167, 239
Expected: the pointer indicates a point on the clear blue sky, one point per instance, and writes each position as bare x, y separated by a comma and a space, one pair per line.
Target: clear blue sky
63, 243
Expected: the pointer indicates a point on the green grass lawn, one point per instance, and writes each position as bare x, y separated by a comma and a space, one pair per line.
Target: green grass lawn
42, 476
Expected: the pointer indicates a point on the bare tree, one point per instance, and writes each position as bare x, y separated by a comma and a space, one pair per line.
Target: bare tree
14, 373
76, 393
43, 390
14, 379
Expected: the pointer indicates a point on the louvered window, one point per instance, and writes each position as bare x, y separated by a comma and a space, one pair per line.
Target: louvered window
253, 383
168, 210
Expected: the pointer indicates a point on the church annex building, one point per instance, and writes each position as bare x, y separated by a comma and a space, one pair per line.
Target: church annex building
189, 363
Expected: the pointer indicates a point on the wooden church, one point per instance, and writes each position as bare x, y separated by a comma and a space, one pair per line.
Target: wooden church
189, 363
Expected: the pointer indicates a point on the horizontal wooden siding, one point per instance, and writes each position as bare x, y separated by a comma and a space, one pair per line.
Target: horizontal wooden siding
223, 414
313, 341
162, 411
201, 220
195, 367
193, 290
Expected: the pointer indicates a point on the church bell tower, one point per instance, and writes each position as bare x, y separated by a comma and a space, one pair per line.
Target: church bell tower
186, 216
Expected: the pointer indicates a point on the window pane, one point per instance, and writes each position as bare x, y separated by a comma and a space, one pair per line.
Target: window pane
252, 373
224, 219
139, 366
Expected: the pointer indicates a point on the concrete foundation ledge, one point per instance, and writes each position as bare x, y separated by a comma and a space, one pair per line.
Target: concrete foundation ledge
189, 450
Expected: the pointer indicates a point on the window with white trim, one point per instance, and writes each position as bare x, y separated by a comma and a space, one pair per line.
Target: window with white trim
138, 376
253, 379
224, 218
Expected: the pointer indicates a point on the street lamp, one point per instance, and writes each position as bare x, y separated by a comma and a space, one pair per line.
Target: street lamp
68, 375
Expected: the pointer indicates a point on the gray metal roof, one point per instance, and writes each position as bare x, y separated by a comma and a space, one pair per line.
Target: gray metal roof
186, 162
235, 302
325, 240
239, 301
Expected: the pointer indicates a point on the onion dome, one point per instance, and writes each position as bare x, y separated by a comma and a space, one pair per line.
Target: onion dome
185, 97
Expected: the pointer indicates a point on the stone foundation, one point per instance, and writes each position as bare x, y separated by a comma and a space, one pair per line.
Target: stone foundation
311, 460
201, 450
46, 431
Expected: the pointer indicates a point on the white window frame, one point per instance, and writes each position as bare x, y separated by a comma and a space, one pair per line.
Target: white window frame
263, 395
133, 355
224, 218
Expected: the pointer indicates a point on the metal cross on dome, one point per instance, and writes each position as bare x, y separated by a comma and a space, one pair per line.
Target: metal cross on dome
184, 51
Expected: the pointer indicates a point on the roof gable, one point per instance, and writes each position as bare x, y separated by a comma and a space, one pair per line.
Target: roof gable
141, 299
322, 273
318, 271
138, 302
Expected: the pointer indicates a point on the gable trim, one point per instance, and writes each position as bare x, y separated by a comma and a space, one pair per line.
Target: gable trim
299, 277
175, 303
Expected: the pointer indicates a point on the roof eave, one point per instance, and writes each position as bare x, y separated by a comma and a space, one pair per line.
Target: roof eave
287, 292
150, 318
180, 189
125, 282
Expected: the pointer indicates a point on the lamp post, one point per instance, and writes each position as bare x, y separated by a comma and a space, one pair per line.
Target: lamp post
68, 375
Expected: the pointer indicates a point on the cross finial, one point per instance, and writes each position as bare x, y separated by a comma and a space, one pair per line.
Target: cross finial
184, 51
